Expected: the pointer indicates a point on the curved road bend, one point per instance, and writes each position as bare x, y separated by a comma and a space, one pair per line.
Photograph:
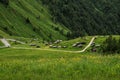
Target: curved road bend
5, 42
91, 41
13, 40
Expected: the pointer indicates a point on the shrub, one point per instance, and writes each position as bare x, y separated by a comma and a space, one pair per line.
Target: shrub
28, 20
56, 28
6, 2
62, 31
38, 17
50, 36
5, 28
1, 36
111, 45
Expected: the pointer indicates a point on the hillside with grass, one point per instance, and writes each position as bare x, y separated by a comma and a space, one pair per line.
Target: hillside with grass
51, 20
29, 18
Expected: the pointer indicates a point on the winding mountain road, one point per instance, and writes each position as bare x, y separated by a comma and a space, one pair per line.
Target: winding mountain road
91, 41
13, 40
5, 42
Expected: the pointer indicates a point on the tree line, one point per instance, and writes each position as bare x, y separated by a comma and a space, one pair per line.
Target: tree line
111, 45
86, 17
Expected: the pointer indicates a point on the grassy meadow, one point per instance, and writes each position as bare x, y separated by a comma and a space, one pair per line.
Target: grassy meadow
16, 64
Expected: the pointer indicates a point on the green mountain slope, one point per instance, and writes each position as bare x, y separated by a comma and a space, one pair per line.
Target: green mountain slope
29, 18
87, 17
57, 19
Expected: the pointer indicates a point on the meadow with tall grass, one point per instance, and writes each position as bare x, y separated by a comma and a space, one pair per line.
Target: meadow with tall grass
16, 64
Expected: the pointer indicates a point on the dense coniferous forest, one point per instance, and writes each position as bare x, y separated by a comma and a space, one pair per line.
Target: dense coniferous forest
111, 45
87, 17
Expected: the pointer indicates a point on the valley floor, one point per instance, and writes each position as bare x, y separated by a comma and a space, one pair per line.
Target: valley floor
21, 64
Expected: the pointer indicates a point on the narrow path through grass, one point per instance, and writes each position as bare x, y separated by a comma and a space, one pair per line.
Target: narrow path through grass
91, 41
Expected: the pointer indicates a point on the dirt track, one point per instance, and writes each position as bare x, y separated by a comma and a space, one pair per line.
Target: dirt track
91, 41
5, 42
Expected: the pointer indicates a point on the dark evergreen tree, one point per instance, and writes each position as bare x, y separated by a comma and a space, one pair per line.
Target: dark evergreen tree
89, 17
111, 45
6, 2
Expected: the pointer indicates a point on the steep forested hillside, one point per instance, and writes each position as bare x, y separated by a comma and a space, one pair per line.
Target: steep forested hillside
28, 18
56, 19
87, 16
